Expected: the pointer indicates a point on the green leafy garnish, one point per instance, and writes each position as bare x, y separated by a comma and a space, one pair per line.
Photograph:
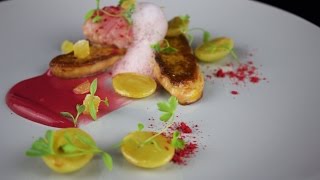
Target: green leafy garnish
128, 13
129, 6
206, 36
166, 48
168, 110
93, 86
185, 18
92, 110
106, 102
91, 13
97, 19
44, 147
107, 160
140, 127
80, 109
176, 141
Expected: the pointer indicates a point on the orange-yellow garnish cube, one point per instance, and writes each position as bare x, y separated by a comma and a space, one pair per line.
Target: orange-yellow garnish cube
86, 102
134, 85
82, 88
67, 47
81, 49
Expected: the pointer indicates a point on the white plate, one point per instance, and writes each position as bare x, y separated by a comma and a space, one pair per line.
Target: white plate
269, 131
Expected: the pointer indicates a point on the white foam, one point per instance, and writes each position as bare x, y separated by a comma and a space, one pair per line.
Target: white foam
149, 27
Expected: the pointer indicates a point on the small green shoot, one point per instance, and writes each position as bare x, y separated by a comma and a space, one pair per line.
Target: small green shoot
140, 127
168, 110
91, 13
44, 147
128, 13
176, 141
167, 49
80, 109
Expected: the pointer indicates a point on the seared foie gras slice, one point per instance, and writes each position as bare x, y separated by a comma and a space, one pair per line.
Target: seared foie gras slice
100, 58
179, 72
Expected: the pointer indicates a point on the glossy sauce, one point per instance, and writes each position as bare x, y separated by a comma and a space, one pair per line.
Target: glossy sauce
42, 98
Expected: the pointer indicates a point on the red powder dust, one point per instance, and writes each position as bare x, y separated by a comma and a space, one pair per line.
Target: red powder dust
234, 92
188, 151
184, 128
246, 72
188, 134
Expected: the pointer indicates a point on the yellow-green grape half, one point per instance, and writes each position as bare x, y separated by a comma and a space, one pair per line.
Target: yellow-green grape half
214, 50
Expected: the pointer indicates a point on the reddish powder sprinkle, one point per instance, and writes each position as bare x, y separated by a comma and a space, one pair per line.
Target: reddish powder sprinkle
234, 92
180, 155
246, 72
254, 79
184, 128
220, 74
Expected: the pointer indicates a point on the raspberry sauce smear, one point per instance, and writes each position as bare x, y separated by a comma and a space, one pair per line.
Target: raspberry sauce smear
41, 99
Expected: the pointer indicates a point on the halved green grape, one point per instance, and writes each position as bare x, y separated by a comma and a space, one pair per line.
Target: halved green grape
61, 164
214, 50
177, 26
147, 155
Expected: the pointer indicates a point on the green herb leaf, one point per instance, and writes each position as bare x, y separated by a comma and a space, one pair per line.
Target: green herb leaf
128, 13
85, 140
92, 110
106, 102
50, 136
140, 127
169, 50
185, 18
98, 4
156, 47
164, 107
121, 2
93, 86
107, 159
69, 148
206, 36
67, 115
96, 19
89, 14
173, 101
80, 108
165, 117
42, 146
176, 142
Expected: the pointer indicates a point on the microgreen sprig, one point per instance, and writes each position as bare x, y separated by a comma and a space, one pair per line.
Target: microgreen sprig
166, 48
129, 6
80, 109
168, 110
44, 147
91, 105
97, 18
